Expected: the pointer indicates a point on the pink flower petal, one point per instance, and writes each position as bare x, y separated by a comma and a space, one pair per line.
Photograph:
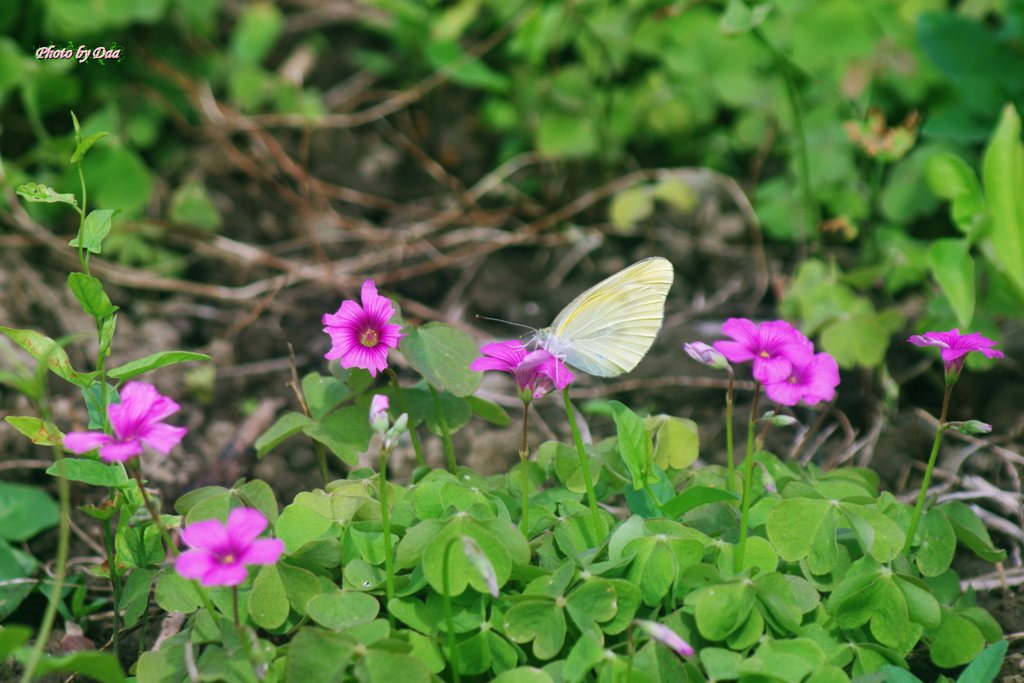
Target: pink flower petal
221, 574
162, 437
263, 551
194, 564
83, 442
120, 451
209, 534
244, 526
734, 351
769, 370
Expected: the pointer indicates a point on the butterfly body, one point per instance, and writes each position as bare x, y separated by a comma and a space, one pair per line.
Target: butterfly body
608, 329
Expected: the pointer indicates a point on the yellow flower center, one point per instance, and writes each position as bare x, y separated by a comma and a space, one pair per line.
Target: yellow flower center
369, 338
227, 559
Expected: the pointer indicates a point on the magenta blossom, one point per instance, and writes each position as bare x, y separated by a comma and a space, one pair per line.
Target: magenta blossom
811, 382
956, 346
667, 637
137, 421
774, 346
218, 553
536, 372
362, 335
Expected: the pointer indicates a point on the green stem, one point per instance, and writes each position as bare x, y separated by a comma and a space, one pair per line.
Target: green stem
730, 482
321, 458
632, 649
449, 621
385, 521
115, 583
748, 479
446, 437
83, 254
803, 155
420, 461
154, 515
584, 463
919, 507
56, 593
524, 455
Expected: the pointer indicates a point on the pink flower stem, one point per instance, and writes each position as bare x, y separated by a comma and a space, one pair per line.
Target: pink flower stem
939, 431
171, 548
449, 621
730, 482
446, 437
524, 455
385, 522
584, 461
420, 461
748, 479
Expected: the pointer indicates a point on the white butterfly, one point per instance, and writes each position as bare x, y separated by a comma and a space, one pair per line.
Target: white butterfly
609, 328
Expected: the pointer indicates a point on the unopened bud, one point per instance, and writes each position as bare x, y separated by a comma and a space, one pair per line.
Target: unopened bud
971, 427
667, 637
379, 413
706, 355
480, 562
778, 420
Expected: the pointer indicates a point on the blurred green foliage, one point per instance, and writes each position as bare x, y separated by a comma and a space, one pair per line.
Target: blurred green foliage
849, 124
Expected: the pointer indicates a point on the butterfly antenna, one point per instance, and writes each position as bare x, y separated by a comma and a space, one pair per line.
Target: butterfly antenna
507, 322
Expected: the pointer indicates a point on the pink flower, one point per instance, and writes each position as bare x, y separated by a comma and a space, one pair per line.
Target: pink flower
956, 346
774, 346
666, 636
811, 382
362, 335
219, 553
379, 413
137, 420
536, 372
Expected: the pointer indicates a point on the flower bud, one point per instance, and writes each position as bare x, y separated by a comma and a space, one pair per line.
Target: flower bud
971, 427
483, 566
778, 420
379, 413
706, 355
397, 429
667, 637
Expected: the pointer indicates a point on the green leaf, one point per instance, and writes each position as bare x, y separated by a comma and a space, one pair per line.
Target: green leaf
340, 610
43, 193
677, 194
16, 568
540, 621
631, 206
318, 655
1003, 175
258, 494
442, 354
97, 227
323, 393
722, 609
793, 524
25, 511
154, 361
38, 431
566, 136
586, 653
489, 411
859, 339
879, 535
192, 206
985, 666
288, 425
92, 472
952, 178
345, 432
740, 18
524, 674
85, 145
676, 441
174, 593
951, 263
395, 667
465, 69
268, 602
256, 32
971, 531
694, 497
11, 637
938, 544
102, 667
89, 292
634, 443
135, 595
956, 641
44, 349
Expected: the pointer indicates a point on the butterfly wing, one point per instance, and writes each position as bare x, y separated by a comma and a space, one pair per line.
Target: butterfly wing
608, 329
